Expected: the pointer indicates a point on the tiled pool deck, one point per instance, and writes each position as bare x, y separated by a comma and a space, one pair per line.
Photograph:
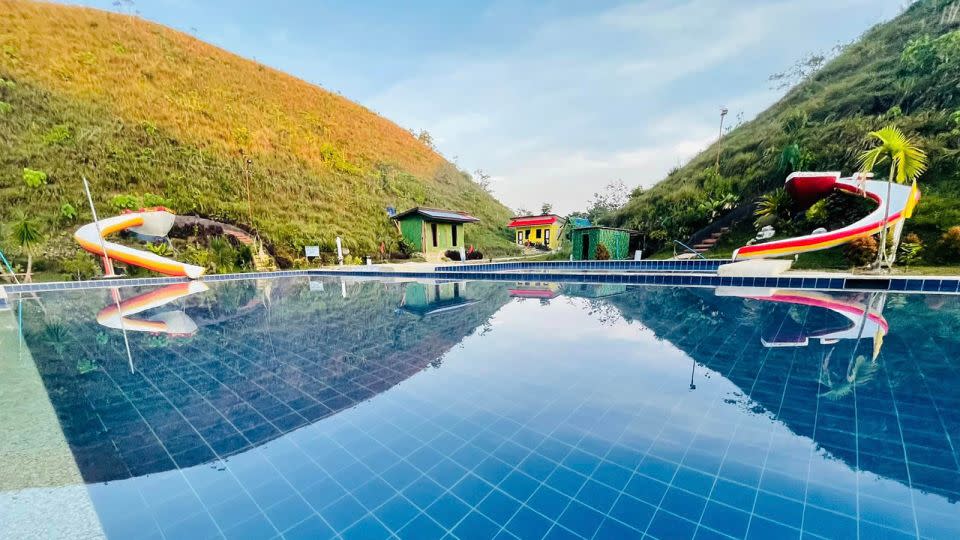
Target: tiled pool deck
595, 273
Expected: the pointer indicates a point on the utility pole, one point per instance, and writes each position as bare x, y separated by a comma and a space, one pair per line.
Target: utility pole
723, 113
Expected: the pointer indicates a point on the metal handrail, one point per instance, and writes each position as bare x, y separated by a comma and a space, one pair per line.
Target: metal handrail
688, 248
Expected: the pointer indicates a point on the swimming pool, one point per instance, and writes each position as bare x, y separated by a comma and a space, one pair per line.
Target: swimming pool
316, 407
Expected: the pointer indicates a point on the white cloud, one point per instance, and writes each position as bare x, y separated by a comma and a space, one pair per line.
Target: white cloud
626, 93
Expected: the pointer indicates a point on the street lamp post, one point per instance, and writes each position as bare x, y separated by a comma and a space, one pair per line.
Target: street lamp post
723, 113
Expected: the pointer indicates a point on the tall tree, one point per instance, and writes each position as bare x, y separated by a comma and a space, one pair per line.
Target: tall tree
546, 208
907, 163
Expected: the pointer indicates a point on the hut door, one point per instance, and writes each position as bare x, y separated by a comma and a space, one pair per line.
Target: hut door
585, 247
546, 237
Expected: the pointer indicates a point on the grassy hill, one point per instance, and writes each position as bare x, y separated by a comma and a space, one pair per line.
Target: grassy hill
140, 108
904, 72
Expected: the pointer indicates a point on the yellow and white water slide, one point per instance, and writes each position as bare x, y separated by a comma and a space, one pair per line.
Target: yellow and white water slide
149, 221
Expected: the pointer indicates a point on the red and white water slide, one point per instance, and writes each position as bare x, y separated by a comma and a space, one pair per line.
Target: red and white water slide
808, 187
149, 221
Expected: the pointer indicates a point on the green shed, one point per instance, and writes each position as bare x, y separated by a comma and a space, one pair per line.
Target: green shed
584, 242
432, 231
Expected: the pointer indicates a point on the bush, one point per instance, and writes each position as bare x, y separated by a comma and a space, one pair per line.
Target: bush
862, 251
151, 200
474, 256
57, 134
81, 266
5, 108
452, 254
950, 243
125, 202
910, 250
68, 212
34, 179
603, 254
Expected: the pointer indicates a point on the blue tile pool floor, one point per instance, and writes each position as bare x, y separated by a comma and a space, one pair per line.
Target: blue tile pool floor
364, 410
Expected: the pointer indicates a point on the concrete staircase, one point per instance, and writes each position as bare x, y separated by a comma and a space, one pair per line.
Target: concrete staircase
707, 243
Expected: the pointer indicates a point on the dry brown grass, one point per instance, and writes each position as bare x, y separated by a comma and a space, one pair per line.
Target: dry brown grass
149, 73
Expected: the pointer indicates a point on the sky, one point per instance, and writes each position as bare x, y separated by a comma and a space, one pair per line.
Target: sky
554, 100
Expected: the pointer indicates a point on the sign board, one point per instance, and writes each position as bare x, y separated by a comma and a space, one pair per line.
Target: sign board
316, 286
312, 251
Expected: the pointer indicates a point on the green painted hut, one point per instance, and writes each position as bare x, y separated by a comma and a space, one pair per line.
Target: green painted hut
584, 242
432, 231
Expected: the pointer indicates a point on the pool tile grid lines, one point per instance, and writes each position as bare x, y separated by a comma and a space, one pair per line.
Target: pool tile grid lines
535, 512
893, 283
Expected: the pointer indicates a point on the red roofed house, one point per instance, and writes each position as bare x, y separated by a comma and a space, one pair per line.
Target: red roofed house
543, 229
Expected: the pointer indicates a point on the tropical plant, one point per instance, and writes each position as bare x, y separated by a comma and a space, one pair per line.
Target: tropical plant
28, 236
68, 212
714, 206
33, 178
907, 163
910, 249
125, 202
777, 205
792, 158
160, 248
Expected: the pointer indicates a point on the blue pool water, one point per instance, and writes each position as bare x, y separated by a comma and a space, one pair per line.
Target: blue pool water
348, 409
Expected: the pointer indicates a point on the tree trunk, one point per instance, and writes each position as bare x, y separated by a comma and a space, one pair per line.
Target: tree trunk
27, 277
881, 253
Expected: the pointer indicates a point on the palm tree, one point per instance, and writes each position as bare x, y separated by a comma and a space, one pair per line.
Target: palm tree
27, 234
907, 163
776, 204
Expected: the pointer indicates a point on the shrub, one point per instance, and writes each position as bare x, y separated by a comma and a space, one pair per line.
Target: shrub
452, 254
34, 179
862, 251
68, 212
950, 243
125, 202
149, 200
160, 248
81, 266
910, 250
818, 215
603, 254
474, 256
57, 134
5, 108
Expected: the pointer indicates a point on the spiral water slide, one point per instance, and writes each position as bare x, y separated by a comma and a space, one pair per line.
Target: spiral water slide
121, 315
809, 187
148, 221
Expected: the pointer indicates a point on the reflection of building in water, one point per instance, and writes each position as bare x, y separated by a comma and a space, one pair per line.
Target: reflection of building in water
887, 416
247, 376
431, 298
535, 289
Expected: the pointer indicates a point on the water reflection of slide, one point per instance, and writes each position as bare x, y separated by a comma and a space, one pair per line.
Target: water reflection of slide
859, 320
809, 187
173, 322
150, 222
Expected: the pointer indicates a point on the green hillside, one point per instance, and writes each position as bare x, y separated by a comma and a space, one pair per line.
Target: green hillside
141, 109
904, 72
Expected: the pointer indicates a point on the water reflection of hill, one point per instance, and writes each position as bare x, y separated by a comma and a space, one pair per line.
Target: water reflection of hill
268, 358
905, 407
